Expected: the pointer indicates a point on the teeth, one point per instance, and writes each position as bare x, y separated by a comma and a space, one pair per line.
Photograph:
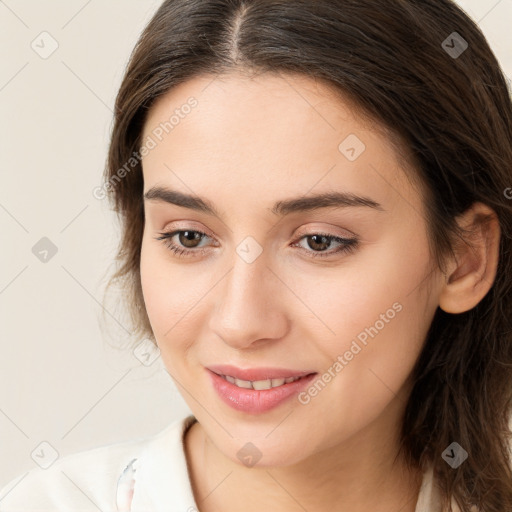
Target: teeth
243, 383
259, 384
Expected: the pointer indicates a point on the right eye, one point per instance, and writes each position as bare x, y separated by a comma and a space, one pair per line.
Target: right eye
186, 241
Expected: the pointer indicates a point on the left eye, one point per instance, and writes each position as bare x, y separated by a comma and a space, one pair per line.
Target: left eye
188, 238
320, 240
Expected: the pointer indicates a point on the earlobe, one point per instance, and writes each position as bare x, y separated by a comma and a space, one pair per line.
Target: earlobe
471, 272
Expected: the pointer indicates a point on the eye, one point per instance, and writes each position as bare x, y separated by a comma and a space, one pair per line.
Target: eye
319, 241
186, 237
188, 243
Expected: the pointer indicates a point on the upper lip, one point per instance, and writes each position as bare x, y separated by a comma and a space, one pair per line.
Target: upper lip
254, 374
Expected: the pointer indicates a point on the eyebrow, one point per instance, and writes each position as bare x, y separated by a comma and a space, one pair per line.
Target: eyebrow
281, 208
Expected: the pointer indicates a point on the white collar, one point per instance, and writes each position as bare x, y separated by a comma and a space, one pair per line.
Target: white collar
160, 476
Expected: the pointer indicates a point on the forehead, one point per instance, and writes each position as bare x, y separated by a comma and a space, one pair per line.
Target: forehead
274, 101
268, 134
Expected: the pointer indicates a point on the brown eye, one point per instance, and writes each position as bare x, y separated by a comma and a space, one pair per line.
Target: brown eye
318, 243
189, 238
187, 243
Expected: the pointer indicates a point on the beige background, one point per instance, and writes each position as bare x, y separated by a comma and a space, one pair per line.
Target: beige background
61, 380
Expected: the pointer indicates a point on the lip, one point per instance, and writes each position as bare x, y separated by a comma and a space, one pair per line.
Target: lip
254, 401
257, 373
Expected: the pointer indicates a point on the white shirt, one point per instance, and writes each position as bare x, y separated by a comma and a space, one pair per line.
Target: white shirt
143, 475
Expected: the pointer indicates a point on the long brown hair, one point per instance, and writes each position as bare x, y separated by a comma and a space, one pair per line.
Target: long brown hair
423, 70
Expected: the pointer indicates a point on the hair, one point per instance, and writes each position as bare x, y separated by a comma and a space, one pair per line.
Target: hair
451, 114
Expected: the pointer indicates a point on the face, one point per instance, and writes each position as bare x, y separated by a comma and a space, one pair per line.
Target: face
343, 290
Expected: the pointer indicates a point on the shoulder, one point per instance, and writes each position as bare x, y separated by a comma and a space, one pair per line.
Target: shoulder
84, 481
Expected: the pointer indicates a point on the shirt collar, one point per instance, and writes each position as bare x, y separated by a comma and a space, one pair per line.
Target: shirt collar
162, 482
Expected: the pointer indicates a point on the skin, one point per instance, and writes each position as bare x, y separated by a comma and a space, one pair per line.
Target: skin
248, 144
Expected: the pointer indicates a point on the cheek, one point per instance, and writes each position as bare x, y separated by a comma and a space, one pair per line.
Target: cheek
371, 374
172, 294
369, 291
380, 315
376, 314
165, 292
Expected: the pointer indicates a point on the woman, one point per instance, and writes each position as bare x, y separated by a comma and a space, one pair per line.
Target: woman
316, 233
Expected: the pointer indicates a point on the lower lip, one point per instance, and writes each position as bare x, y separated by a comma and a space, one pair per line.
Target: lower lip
256, 401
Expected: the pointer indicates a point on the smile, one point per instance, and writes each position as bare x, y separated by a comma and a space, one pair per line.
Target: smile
259, 384
258, 396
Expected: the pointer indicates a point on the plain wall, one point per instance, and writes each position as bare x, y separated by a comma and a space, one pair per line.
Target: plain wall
62, 381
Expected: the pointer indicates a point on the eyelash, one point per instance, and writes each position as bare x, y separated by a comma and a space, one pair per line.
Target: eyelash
348, 244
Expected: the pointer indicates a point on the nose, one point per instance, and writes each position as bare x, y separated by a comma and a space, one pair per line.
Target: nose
250, 305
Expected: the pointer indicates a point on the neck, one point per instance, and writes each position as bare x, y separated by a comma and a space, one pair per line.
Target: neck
358, 475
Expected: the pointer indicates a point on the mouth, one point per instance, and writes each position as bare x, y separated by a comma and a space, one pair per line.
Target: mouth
268, 387
259, 384
257, 374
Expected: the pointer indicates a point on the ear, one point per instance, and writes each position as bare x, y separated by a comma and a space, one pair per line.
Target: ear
471, 272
